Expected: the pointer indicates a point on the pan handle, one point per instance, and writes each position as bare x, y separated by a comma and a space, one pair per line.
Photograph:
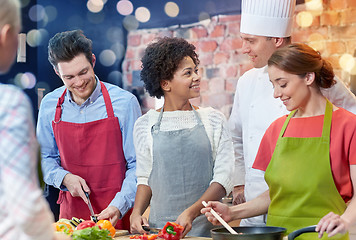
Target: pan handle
296, 233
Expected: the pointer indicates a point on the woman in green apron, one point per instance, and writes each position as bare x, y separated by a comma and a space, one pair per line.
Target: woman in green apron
184, 153
308, 156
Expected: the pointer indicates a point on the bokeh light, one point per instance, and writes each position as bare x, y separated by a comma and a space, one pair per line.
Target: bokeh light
304, 19
115, 34
51, 13
95, 6
314, 5
317, 41
37, 38
130, 23
203, 16
124, 7
171, 9
42, 85
107, 58
119, 50
347, 62
142, 14
25, 80
115, 77
36, 13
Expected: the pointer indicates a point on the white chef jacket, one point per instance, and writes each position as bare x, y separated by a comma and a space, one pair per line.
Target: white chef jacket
254, 109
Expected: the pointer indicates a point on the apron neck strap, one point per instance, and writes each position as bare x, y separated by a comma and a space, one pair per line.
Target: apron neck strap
107, 100
158, 124
326, 124
106, 97
327, 119
58, 114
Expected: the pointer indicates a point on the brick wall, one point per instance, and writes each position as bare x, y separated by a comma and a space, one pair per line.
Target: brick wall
332, 32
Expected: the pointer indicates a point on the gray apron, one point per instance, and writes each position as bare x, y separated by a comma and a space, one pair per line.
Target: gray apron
181, 172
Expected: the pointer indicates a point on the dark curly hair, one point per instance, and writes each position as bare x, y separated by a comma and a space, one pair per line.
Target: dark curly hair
65, 46
300, 59
161, 60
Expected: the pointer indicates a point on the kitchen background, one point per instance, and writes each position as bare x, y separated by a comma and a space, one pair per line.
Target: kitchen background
121, 30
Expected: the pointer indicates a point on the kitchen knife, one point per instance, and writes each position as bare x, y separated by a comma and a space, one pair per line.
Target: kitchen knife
93, 217
151, 230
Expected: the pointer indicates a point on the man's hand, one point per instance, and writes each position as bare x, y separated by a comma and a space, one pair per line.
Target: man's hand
76, 186
238, 195
112, 213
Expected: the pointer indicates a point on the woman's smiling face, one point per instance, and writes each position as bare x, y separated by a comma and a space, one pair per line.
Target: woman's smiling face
186, 81
292, 89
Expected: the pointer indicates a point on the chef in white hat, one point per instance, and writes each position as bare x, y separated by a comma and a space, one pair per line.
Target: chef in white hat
265, 26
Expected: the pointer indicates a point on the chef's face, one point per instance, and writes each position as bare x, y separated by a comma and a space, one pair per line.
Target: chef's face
186, 81
258, 48
78, 76
293, 90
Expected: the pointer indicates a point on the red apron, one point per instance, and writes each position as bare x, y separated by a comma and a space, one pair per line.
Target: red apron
94, 152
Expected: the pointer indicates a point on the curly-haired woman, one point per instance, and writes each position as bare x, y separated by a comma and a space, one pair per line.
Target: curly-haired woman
184, 152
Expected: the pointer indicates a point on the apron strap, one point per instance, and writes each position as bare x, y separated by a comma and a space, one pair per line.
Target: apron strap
326, 125
58, 115
281, 133
107, 100
157, 126
327, 121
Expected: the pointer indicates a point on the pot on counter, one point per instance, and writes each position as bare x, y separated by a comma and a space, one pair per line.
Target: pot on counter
257, 233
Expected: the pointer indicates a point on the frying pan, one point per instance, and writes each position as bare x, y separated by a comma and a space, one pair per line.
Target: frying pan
257, 233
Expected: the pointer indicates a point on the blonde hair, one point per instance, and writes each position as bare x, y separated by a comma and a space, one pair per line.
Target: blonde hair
10, 13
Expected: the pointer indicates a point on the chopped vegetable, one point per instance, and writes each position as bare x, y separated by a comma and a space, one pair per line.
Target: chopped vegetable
145, 236
91, 233
106, 224
63, 227
171, 231
86, 224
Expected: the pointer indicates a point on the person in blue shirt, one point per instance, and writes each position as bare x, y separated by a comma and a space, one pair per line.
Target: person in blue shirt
85, 132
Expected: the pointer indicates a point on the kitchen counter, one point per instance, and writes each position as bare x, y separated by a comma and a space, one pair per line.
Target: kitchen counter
127, 237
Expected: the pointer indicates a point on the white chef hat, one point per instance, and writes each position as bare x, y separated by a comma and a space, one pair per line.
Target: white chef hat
271, 18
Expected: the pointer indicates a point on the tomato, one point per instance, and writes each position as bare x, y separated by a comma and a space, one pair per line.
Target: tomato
85, 224
106, 224
63, 227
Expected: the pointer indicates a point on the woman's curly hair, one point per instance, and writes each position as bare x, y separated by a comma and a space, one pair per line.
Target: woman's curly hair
161, 60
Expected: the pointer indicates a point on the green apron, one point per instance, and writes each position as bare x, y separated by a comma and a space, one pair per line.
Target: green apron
301, 185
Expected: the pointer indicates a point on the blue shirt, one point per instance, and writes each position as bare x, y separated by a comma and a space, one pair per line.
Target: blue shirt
126, 109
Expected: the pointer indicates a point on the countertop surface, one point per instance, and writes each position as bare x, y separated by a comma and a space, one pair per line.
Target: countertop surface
127, 237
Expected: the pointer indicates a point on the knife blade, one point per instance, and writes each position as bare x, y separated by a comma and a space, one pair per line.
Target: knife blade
151, 230
93, 217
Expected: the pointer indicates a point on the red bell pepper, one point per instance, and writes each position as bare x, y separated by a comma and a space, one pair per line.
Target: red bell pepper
86, 224
171, 231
